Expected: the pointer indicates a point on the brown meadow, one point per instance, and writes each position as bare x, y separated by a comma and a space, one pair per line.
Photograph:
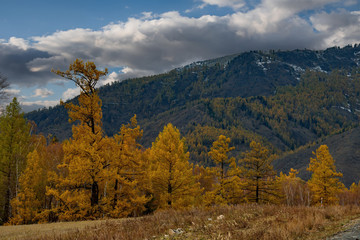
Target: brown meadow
248, 221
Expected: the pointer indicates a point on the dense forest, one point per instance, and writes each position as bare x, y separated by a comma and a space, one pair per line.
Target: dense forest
225, 158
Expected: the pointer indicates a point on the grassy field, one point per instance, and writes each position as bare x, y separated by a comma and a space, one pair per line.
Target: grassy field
228, 222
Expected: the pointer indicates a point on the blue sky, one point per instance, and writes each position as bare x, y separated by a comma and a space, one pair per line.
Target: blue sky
137, 37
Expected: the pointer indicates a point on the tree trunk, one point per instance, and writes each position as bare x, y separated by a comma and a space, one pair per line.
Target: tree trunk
94, 194
115, 195
169, 192
7, 209
257, 190
169, 184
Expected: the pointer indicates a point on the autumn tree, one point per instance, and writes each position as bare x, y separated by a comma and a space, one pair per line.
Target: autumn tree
127, 186
350, 196
258, 174
219, 153
226, 172
294, 191
32, 205
324, 183
206, 177
172, 177
14, 146
85, 164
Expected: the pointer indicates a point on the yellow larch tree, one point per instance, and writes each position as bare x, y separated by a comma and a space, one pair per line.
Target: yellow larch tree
219, 153
85, 163
31, 205
28, 203
324, 182
258, 174
227, 188
173, 182
127, 186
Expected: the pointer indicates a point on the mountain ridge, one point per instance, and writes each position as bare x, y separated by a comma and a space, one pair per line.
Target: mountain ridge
245, 76
249, 96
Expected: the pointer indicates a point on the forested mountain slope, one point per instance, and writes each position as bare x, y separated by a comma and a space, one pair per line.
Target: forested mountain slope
244, 75
344, 147
286, 99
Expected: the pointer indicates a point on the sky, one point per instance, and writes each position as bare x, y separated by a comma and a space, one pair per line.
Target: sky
134, 38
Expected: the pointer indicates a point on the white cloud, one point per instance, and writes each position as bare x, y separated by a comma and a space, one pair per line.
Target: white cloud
235, 4
45, 103
112, 77
43, 92
338, 28
34, 105
70, 93
12, 91
19, 43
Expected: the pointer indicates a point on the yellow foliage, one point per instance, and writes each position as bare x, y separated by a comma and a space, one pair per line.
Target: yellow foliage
127, 185
219, 153
293, 190
83, 75
258, 174
85, 164
228, 189
31, 198
324, 183
27, 204
173, 182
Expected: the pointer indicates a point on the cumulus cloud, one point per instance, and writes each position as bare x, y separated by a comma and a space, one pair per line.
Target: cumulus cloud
112, 77
19, 43
43, 92
70, 93
338, 28
14, 65
34, 105
235, 4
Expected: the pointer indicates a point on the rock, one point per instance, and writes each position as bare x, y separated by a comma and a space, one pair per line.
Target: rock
178, 231
171, 232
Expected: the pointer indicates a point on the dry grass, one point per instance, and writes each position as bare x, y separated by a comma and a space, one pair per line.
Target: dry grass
239, 222
34, 230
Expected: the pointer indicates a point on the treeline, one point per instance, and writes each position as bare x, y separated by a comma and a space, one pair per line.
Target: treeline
92, 176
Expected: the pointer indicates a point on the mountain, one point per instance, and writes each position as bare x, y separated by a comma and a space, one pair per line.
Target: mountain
344, 148
285, 99
248, 74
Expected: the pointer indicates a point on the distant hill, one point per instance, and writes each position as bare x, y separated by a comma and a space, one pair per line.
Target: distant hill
344, 148
285, 99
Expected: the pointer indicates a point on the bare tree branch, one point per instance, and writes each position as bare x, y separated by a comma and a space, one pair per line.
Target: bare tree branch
3, 84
